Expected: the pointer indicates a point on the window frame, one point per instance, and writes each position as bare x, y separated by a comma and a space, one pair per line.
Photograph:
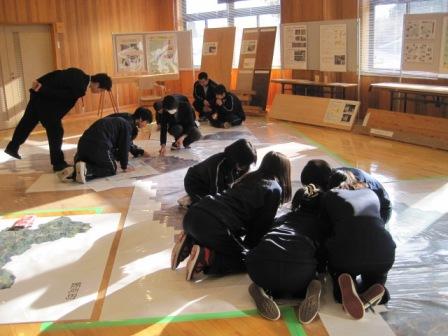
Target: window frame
230, 14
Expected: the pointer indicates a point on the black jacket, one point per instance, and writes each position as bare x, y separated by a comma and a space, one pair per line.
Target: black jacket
60, 90
199, 92
231, 104
375, 186
184, 116
110, 134
358, 234
247, 209
211, 176
133, 148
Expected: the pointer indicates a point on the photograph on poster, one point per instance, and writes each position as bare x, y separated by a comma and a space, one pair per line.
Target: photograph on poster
162, 53
248, 46
129, 53
346, 117
349, 108
210, 48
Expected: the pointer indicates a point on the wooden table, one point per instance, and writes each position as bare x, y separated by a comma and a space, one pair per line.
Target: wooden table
437, 92
307, 84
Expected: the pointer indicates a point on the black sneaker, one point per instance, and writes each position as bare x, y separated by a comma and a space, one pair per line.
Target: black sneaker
13, 153
372, 296
266, 305
310, 305
174, 146
181, 250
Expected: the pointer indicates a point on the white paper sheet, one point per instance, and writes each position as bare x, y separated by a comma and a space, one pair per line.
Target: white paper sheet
59, 278
333, 47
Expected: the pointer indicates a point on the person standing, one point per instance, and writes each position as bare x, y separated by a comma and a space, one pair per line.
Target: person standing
52, 96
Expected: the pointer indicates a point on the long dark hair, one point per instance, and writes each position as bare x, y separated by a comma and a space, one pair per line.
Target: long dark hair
274, 166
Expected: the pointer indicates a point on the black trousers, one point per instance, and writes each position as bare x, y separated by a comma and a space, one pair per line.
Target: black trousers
199, 107
208, 231
53, 126
370, 274
231, 118
280, 277
99, 160
192, 135
194, 188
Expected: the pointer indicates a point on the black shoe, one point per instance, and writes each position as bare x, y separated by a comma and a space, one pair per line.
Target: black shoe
13, 153
59, 167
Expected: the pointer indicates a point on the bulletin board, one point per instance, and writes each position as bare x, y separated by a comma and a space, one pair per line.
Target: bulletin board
217, 54
321, 45
152, 53
424, 46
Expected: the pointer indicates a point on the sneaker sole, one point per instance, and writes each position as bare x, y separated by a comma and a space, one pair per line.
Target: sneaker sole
372, 296
310, 306
80, 178
350, 299
266, 307
176, 251
194, 255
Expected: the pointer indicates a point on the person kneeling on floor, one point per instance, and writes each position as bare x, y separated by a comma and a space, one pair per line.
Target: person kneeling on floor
218, 173
288, 258
97, 148
177, 119
229, 111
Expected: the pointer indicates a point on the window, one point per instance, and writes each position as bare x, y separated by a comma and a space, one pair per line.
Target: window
381, 39
199, 14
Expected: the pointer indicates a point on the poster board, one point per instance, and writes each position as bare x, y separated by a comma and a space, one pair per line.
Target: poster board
152, 53
422, 38
217, 54
333, 113
443, 67
308, 56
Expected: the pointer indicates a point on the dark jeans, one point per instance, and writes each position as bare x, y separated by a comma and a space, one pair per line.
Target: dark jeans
233, 119
370, 274
208, 231
280, 278
52, 124
99, 161
199, 107
193, 134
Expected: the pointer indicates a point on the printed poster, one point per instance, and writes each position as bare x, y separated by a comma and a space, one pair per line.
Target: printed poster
248, 47
130, 53
333, 47
444, 47
341, 112
162, 57
420, 30
249, 63
210, 48
419, 52
295, 46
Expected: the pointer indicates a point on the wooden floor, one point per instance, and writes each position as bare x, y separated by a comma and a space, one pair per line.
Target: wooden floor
392, 160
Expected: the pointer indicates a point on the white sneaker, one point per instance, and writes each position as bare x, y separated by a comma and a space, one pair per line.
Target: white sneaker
66, 175
81, 172
184, 201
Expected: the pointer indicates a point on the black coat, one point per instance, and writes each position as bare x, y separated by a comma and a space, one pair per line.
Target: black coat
231, 104
133, 148
247, 209
211, 176
59, 92
358, 234
199, 92
184, 116
110, 134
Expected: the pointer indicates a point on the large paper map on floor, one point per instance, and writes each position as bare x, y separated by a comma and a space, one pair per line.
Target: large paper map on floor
53, 269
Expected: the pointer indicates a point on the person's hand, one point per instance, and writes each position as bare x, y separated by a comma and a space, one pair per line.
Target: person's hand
128, 169
162, 150
36, 86
215, 116
207, 109
219, 102
206, 103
